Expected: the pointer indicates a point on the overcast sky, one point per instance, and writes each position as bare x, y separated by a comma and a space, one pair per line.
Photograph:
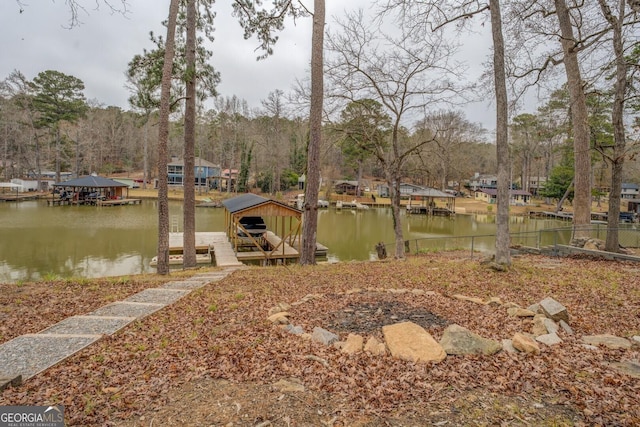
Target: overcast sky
98, 51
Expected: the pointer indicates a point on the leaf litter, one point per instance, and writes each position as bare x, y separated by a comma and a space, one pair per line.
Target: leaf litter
213, 359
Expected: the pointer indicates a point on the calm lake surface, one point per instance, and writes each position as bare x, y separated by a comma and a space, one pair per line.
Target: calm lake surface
38, 241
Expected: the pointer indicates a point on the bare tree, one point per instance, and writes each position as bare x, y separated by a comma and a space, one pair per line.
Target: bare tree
403, 76
434, 15
449, 132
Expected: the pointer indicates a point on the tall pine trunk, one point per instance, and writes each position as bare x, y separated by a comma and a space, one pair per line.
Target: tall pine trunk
163, 141
312, 187
189, 218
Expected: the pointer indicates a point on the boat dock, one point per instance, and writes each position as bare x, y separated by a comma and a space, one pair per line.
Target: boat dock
429, 210
215, 248
93, 202
211, 248
119, 202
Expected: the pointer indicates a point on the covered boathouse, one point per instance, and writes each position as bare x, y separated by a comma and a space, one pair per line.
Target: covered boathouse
91, 190
264, 230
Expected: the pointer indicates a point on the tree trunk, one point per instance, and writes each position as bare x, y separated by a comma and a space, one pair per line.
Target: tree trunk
503, 252
57, 152
145, 173
189, 214
393, 182
312, 186
580, 123
617, 162
564, 196
163, 141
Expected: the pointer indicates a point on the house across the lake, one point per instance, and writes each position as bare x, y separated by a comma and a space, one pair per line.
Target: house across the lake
630, 191
516, 197
206, 173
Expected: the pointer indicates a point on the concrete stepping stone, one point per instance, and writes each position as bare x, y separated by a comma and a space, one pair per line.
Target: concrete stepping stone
27, 355
211, 276
185, 285
127, 309
158, 296
96, 325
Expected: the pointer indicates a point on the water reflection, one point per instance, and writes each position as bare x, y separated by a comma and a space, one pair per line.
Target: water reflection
67, 241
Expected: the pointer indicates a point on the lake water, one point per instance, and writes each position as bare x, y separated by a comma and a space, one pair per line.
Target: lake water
38, 241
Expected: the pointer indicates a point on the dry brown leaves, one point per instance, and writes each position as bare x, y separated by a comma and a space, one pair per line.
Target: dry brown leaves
31, 307
221, 332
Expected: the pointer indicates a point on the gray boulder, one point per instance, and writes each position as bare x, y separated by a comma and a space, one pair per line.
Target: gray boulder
554, 310
459, 341
323, 336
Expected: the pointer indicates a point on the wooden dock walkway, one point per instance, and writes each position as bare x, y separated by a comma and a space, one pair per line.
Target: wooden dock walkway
215, 242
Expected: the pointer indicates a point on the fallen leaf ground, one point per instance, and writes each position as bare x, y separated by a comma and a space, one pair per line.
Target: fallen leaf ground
213, 359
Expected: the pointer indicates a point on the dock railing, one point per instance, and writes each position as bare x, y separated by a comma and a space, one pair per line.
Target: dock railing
549, 240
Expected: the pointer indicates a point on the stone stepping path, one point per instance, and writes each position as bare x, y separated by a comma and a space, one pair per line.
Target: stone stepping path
25, 356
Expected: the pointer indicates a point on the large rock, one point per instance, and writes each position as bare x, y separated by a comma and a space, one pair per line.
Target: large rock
408, 341
353, 344
566, 328
520, 312
280, 318
375, 347
279, 308
554, 310
323, 336
458, 340
539, 328
609, 341
525, 343
549, 339
542, 325
552, 327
